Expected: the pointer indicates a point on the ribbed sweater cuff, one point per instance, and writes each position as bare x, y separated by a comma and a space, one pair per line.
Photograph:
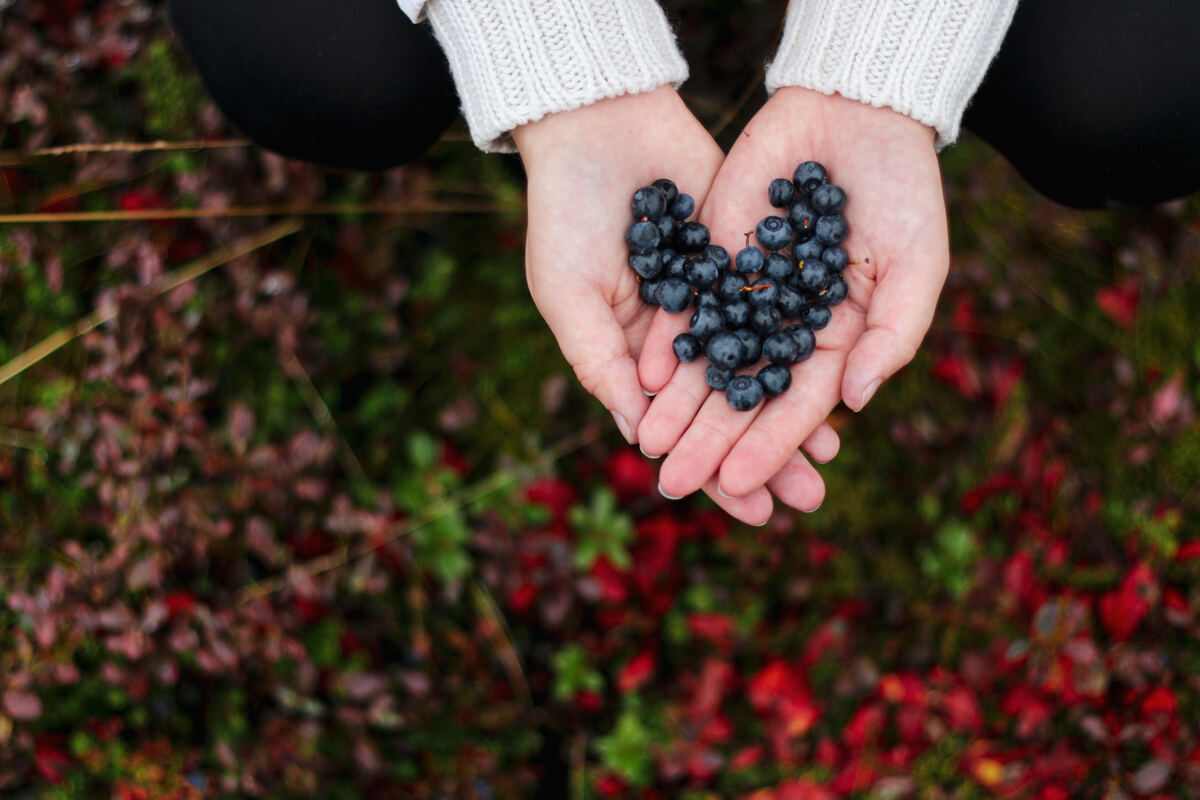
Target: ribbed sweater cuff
515, 61
923, 58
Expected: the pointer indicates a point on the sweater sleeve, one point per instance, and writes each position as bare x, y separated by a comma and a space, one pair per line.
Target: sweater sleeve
412, 8
923, 58
515, 61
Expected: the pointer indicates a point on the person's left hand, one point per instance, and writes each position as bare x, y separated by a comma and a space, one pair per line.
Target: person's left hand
898, 235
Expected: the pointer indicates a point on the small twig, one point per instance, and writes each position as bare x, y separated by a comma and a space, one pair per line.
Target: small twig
15, 437
188, 272
317, 209
9, 158
579, 766
320, 410
508, 651
718, 127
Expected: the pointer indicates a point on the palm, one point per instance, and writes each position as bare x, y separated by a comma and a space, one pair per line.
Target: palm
886, 164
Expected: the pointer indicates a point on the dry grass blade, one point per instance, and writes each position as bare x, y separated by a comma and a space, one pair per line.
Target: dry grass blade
12, 158
318, 209
184, 274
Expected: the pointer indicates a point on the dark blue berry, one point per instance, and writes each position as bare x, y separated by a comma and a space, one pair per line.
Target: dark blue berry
687, 347
675, 266
647, 290
642, 237
649, 203
666, 230
683, 207
813, 277
781, 192
807, 252
816, 316
706, 322
674, 295
835, 258
749, 259
802, 217
808, 176
717, 378
719, 255
765, 320
730, 285
668, 188
763, 293
744, 392
724, 349
691, 237
736, 313
775, 379
707, 299
805, 341
751, 345
832, 229
773, 233
778, 268
647, 265
836, 292
701, 272
780, 348
828, 199
790, 302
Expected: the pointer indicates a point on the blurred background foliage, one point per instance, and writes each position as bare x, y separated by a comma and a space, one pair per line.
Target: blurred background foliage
333, 519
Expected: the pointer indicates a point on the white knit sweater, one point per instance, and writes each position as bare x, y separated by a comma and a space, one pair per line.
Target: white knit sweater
514, 61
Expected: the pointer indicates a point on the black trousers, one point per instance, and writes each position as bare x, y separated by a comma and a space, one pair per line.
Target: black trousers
1095, 102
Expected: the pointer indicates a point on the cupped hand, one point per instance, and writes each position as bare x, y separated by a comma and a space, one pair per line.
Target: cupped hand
898, 238
583, 167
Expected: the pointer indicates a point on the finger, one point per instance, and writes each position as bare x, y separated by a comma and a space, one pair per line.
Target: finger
595, 345
698, 454
783, 423
657, 361
673, 409
898, 317
798, 484
753, 509
822, 445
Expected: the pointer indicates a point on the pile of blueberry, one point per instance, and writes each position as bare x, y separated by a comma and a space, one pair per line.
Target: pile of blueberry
747, 307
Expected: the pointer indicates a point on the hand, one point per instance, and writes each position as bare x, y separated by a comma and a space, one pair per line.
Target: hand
583, 167
887, 165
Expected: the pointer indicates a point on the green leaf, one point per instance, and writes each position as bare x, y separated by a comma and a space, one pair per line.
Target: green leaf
601, 530
628, 751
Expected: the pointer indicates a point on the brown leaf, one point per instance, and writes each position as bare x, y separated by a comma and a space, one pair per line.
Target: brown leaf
22, 705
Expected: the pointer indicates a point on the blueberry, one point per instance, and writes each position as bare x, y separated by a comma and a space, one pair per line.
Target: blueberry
736, 313
718, 254
701, 272
724, 349
814, 277
751, 345
828, 199
802, 217
749, 259
781, 192
683, 207
717, 378
780, 348
773, 233
765, 320
668, 188
836, 292
744, 392
674, 265
778, 267
705, 322
648, 291
775, 379
808, 176
806, 252
687, 347
707, 299
647, 265
674, 295
691, 237
649, 203
805, 341
790, 302
642, 237
666, 230
832, 229
729, 286
816, 316
835, 258
763, 293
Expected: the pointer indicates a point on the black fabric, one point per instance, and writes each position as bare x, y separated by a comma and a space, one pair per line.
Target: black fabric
344, 83
1097, 102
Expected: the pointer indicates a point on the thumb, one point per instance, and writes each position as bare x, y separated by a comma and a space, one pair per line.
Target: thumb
595, 345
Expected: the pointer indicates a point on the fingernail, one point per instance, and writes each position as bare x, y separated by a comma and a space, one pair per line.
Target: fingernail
647, 455
869, 392
721, 492
664, 494
648, 393
814, 508
623, 427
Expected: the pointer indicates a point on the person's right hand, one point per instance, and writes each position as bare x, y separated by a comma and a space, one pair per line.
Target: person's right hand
583, 167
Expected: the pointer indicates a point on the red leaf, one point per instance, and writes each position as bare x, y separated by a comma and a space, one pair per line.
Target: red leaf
864, 727
22, 705
1119, 302
629, 474
637, 671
